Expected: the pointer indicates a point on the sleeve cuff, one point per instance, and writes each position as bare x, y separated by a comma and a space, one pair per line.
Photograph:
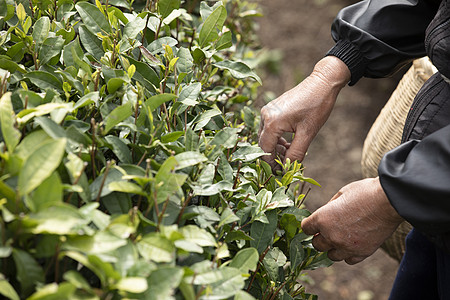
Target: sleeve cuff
352, 57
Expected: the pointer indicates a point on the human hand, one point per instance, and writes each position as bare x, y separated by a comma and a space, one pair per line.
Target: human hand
302, 110
354, 224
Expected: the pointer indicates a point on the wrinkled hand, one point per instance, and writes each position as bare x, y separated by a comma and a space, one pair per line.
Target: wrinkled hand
354, 224
302, 110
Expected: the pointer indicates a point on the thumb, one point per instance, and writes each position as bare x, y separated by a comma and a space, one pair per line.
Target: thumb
298, 148
310, 225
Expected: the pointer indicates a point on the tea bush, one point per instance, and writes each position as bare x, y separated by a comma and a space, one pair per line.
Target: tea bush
129, 165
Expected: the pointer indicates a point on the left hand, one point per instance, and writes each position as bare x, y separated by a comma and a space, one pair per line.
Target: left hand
354, 224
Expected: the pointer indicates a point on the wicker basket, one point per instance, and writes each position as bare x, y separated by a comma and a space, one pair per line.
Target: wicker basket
386, 134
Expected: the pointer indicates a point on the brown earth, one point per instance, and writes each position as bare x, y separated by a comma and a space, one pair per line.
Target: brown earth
300, 30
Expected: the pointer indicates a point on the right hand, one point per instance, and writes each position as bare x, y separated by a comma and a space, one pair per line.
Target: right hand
302, 110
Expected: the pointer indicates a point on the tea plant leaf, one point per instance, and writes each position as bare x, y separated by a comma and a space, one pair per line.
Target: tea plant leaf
205, 117
44, 80
168, 183
40, 165
119, 114
93, 18
29, 273
198, 236
11, 135
227, 138
189, 158
165, 7
126, 187
189, 95
262, 233
227, 217
223, 282
144, 74
67, 52
132, 284
48, 193
172, 136
212, 24
40, 30
247, 153
225, 41
245, 260
91, 42
155, 101
158, 45
7, 290
50, 48
320, 260
241, 295
120, 149
162, 282
50, 291
296, 251
237, 69
156, 248
132, 29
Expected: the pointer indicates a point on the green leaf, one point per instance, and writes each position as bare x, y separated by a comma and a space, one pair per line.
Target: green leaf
168, 183
144, 74
262, 233
189, 95
241, 295
212, 24
273, 261
93, 18
67, 52
165, 7
245, 260
48, 193
91, 42
7, 290
11, 135
290, 225
198, 236
238, 70
205, 117
156, 248
40, 165
296, 251
227, 138
224, 41
227, 217
44, 80
132, 284
54, 291
126, 187
120, 149
119, 114
189, 158
132, 29
155, 101
159, 45
172, 136
162, 282
247, 153
320, 260
222, 283
51, 47
29, 273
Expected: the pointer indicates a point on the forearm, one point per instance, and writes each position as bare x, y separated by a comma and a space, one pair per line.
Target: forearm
377, 37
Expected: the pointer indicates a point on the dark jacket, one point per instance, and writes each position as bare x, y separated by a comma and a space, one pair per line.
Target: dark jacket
376, 38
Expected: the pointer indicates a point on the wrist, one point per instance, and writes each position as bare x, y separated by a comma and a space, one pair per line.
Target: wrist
391, 214
333, 71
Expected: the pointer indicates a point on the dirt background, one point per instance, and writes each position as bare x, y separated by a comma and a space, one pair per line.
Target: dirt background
299, 30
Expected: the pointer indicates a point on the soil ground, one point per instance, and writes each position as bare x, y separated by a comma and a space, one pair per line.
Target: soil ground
300, 31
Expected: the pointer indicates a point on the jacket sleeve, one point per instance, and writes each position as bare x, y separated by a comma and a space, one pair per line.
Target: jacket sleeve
375, 38
416, 179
